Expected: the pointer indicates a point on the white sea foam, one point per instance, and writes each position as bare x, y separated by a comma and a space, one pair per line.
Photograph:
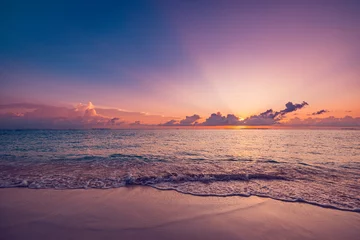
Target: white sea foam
291, 182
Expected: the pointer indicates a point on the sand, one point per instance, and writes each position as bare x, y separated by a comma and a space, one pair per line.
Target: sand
147, 213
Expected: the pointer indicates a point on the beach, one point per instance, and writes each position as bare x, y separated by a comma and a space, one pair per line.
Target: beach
147, 213
180, 120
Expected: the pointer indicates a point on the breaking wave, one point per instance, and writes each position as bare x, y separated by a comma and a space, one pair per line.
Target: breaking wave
319, 185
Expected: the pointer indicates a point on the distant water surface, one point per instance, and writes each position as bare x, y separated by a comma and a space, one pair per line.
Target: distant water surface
317, 166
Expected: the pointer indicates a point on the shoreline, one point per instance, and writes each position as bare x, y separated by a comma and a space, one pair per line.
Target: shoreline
356, 210
139, 212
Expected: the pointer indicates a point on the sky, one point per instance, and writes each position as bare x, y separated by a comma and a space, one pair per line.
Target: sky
79, 64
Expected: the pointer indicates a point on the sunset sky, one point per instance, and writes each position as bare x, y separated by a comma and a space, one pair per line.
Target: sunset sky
133, 63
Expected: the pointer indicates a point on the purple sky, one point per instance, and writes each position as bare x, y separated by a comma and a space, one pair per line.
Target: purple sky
157, 61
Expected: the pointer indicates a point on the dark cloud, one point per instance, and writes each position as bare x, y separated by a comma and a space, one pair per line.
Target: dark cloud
268, 114
216, 119
270, 117
289, 107
320, 112
276, 116
115, 122
114, 119
170, 123
189, 120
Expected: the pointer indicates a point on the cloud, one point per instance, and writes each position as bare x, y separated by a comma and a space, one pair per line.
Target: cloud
270, 117
257, 120
331, 121
320, 112
115, 122
170, 123
46, 111
82, 107
140, 125
45, 116
289, 107
217, 119
83, 116
28, 115
136, 123
188, 121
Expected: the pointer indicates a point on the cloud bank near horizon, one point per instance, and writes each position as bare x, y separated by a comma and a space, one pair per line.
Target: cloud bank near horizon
82, 116
85, 116
331, 121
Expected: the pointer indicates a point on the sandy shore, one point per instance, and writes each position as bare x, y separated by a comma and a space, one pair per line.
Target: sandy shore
146, 213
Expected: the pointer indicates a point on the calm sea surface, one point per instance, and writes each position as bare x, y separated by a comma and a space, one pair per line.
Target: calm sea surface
316, 166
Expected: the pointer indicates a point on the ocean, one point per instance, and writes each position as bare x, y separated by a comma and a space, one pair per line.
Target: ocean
320, 167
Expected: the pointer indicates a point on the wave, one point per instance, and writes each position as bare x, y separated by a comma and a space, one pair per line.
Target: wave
203, 178
298, 200
320, 185
154, 182
128, 180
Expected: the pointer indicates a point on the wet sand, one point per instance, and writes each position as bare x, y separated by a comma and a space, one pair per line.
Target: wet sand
147, 213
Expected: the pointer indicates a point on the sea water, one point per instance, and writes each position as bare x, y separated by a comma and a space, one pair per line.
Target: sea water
320, 167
